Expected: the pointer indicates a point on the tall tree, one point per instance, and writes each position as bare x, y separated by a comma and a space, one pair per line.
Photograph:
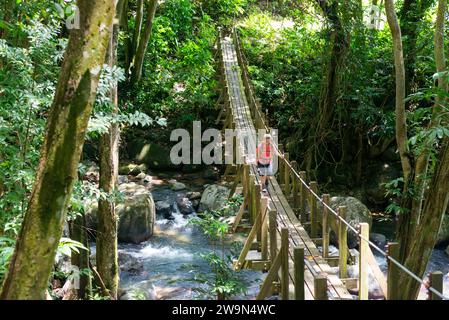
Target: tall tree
41, 231
106, 254
142, 42
418, 225
426, 222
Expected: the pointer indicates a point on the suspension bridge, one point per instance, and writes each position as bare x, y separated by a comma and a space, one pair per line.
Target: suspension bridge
290, 224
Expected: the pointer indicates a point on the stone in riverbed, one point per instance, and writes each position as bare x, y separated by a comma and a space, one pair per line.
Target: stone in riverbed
129, 263
132, 169
356, 212
164, 208
214, 198
177, 186
379, 240
185, 206
196, 204
122, 179
141, 176
193, 195
136, 215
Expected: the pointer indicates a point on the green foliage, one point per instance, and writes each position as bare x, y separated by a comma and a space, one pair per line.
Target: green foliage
27, 83
6, 251
67, 246
178, 82
224, 283
224, 11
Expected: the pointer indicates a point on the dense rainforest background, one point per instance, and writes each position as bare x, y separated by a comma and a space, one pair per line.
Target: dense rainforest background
90, 92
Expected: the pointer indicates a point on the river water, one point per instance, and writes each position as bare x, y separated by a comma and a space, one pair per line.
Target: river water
172, 258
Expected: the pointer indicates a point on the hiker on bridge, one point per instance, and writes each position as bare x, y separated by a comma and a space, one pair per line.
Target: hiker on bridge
264, 155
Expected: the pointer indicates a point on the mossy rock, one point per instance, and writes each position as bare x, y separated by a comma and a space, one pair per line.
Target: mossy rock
132, 169
136, 214
154, 156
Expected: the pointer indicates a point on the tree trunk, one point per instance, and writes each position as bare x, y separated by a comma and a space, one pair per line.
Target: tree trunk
422, 161
401, 125
428, 220
41, 231
143, 42
404, 225
106, 254
138, 26
78, 232
425, 236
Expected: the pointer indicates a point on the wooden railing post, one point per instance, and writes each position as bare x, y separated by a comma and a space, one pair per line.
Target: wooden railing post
257, 210
251, 208
342, 243
313, 210
393, 272
285, 284
303, 192
272, 225
298, 258
325, 225
287, 171
436, 282
264, 240
245, 178
320, 287
234, 146
295, 187
363, 261
281, 164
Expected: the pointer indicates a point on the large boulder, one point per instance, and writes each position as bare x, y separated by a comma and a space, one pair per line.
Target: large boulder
136, 214
379, 174
443, 234
214, 198
356, 212
153, 155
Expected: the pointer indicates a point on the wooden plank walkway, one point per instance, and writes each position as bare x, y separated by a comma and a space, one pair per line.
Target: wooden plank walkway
286, 218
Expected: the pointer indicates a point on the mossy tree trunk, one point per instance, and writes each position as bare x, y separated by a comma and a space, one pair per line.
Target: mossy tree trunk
36, 246
106, 254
